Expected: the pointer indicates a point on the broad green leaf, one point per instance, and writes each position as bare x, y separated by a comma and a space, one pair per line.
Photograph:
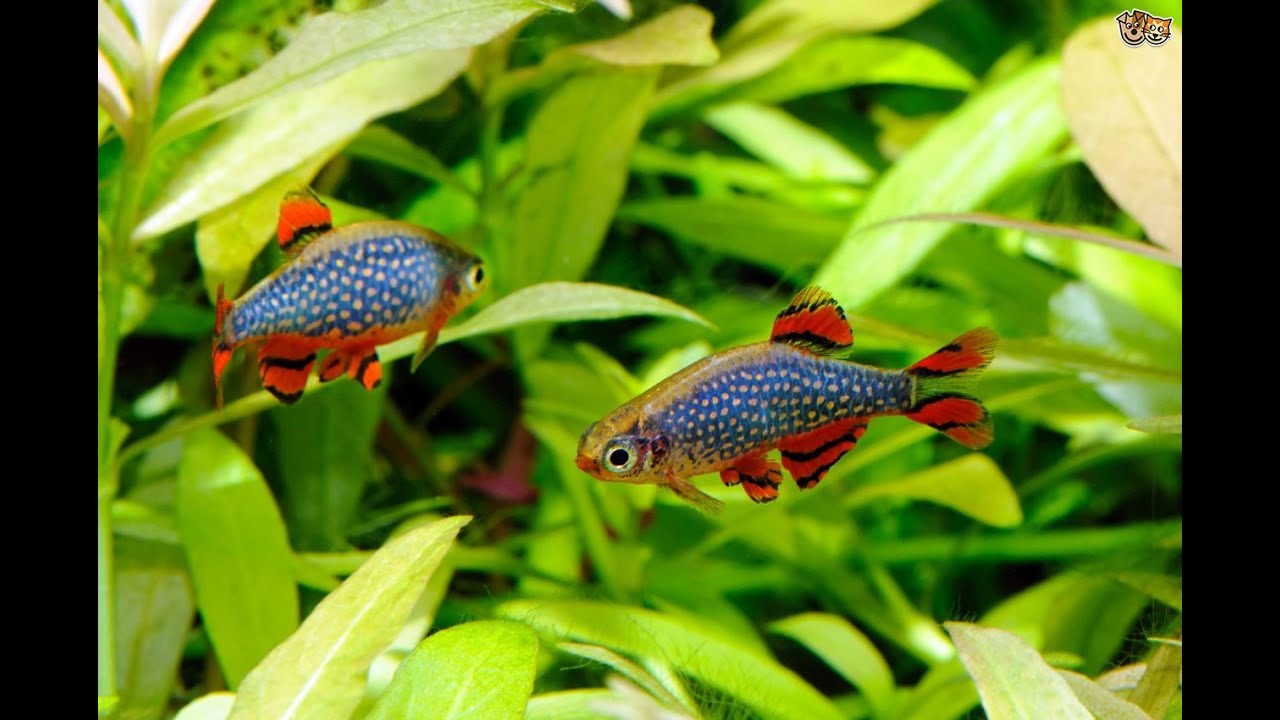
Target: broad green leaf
802, 151
251, 149
751, 678
1102, 703
773, 32
571, 705
333, 43
1165, 588
481, 669
228, 239
761, 231
576, 155
163, 27
998, 134
214, 706
680, 36
1012, 679
236, 547
973, 485
847, 651
381, 143
320, 669
1163, 424
153, 614
1131, 133
326, 458
839, 62
634, 672
552, 302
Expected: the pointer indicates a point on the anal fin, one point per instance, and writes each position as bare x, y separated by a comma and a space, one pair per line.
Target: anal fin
284, 366
808, 457
759, 477
364, 367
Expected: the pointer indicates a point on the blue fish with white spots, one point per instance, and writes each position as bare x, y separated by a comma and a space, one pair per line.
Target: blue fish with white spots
347, 290
725, 412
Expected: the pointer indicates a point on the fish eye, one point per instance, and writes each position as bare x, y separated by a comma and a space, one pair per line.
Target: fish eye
475, 277
619, 458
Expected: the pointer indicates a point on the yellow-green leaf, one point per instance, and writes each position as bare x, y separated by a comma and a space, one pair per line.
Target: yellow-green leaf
237, 550
1015, 683
319, 671
1124, 106
847, 651
973, 485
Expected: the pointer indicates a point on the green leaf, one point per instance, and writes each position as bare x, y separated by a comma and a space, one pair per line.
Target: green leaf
326, 459
761, 231
116, 40
847, 651
228, 239
964, 161
214, 706
680, 36
153, 614
1102, 703
840, 62
384, 145
576, 155
335, 42
236, 547
482, 669
754, 679
1131, 136
773, 32
802, 151
973, 485
1163, 424
571, 705
1158, 687
1012, 678
251, 149
1165, 588
552, 302
320, 669
634, 672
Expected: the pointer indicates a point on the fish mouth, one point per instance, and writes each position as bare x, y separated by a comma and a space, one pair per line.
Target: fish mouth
587, 465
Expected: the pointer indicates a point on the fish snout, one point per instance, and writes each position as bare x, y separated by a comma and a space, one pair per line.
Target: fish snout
587, 465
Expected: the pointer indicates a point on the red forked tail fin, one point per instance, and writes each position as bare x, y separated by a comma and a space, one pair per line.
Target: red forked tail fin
221, 351
943, 383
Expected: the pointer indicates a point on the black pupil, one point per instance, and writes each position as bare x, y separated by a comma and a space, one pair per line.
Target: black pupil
618, 457
479, 274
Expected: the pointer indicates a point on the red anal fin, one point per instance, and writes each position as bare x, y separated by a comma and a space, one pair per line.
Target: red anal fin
302, 217
334, 365
815, 322
284, 367
808, 457
759, 477
958, 416
968, 353
221, 349
365, 368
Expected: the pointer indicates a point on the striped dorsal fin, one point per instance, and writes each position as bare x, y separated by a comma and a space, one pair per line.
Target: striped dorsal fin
302, 218
813, 321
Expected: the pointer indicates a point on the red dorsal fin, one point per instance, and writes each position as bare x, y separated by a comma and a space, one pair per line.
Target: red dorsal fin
815, 322
302, 217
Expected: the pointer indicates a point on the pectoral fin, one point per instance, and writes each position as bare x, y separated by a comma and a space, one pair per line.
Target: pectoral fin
428, 344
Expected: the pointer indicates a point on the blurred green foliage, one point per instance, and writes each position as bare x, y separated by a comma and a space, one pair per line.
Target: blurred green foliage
645, 191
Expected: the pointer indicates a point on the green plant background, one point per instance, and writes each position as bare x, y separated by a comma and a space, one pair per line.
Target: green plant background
645, 191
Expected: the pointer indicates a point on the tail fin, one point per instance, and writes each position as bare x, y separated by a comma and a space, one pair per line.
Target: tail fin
221, 351
943, 383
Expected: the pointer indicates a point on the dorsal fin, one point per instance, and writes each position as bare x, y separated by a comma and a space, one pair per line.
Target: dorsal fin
815, 322
302, 217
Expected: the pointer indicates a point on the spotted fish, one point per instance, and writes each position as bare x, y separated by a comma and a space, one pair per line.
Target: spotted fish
725, 412
348, 290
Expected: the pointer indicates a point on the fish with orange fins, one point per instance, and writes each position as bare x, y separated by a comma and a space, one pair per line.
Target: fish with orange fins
348, 290
725, 412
